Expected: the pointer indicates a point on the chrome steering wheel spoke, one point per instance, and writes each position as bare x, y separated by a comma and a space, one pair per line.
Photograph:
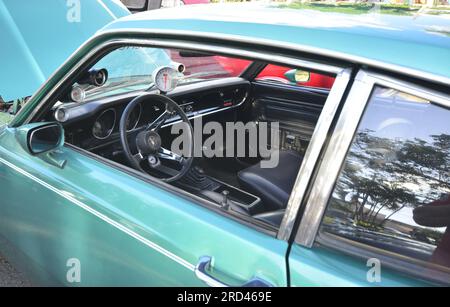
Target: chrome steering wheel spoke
169, 155
139, 157
160, 120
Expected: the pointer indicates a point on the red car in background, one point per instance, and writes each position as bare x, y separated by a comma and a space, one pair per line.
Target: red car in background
273, 72
222, 66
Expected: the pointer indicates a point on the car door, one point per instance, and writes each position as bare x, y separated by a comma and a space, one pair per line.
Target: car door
70, 219
379, 208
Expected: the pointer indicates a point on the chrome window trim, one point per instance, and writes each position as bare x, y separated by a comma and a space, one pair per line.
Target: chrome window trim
177, 44
341, 139
312, 153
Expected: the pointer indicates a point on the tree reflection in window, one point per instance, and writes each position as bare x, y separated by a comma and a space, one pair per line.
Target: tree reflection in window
394, 189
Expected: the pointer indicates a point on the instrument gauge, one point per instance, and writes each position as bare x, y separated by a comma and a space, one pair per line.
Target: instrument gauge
104, 124
134, 117
166, 79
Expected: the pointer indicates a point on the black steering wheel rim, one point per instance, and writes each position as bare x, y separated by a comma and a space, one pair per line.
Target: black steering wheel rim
170, 105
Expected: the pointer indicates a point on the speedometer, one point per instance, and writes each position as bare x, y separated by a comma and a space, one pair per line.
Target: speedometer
165, 78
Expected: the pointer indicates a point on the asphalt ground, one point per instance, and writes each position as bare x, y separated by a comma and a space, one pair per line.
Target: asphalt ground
10, 277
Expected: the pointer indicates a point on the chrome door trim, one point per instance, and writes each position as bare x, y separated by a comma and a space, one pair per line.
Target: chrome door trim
312, 153
165, 43
341, 139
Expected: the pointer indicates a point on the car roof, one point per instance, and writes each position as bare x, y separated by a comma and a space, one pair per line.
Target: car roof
415, 41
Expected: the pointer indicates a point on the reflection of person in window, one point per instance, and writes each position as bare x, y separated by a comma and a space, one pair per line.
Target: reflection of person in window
437, 214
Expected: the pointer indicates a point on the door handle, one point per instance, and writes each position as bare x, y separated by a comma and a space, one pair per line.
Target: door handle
204, 265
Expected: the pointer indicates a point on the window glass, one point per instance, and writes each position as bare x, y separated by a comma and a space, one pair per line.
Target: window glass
393, 192
287, 75
204, 67
131, 69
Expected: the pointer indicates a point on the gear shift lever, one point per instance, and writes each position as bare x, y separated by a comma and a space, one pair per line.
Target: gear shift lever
223, 200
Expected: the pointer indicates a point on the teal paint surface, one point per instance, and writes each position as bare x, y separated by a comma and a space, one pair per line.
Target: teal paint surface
320, 267
420, 42
47, 229
37, 37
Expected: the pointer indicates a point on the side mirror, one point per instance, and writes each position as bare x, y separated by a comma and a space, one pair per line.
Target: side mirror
296, 75
40, 138
142, 5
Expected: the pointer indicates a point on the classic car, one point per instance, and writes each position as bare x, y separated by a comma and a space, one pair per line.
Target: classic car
94, 191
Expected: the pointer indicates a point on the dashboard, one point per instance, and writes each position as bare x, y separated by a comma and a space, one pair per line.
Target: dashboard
95, 124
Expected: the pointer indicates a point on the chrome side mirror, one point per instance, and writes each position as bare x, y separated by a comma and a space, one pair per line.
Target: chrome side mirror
40, 138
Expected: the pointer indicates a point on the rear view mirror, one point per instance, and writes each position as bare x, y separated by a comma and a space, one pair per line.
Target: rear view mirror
142, 5
297, 75
193, 54
39, 138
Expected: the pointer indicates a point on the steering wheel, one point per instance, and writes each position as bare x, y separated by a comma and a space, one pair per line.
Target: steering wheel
150, 153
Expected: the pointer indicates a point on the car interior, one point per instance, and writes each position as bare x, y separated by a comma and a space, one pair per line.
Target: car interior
133, 128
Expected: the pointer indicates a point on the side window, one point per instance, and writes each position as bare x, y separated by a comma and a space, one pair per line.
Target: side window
287, 75
393, 192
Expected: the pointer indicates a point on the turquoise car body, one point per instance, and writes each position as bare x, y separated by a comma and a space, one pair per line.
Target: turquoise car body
125, 230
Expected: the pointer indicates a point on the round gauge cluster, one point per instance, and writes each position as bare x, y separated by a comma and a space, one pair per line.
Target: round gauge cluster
166, 79
134, 117
104, 124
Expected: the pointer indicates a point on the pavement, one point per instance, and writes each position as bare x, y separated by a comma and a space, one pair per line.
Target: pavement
10, 277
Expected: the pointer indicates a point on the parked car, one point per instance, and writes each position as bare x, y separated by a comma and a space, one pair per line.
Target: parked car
94, 193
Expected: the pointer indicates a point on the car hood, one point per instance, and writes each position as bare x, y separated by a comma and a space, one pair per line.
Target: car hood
38, 36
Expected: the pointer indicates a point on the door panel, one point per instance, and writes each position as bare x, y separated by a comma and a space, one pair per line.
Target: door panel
321, 267
371, 216
123, 230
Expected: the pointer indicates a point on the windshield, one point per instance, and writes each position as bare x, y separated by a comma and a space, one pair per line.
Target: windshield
131, 69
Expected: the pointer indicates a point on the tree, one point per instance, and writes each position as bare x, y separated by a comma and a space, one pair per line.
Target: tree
380, 172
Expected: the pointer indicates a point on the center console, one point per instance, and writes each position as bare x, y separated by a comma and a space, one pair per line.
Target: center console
225, 195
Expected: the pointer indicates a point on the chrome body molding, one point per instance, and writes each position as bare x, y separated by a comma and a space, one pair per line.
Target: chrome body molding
341, 139
312, 154
101, 216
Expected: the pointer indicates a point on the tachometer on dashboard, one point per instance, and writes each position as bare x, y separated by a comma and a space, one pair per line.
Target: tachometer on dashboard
104, 124
165, 78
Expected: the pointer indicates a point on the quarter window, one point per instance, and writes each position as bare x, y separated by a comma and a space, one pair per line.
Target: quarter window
393, 192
